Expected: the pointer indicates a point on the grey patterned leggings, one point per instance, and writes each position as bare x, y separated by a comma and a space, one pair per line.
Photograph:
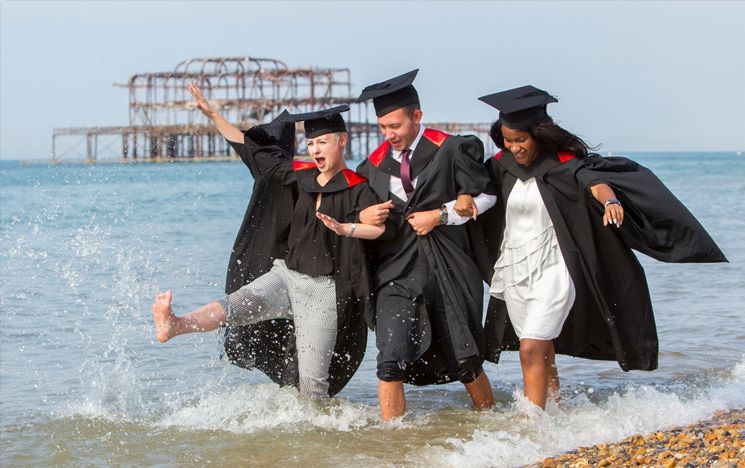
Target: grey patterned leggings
309, 301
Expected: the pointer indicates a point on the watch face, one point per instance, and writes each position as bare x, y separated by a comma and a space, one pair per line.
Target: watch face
443, 215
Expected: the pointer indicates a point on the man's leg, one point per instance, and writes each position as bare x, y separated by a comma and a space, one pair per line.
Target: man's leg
480, 392
207, 318
397, 332
392, 399
468, 371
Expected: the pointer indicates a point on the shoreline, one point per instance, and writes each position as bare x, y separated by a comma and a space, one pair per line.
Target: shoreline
717, 441
236, 158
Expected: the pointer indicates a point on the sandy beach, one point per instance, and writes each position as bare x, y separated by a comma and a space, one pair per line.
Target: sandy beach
718, 441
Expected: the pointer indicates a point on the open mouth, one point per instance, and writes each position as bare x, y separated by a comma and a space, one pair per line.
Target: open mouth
320, 161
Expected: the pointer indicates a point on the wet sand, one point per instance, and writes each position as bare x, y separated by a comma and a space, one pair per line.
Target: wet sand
719, 441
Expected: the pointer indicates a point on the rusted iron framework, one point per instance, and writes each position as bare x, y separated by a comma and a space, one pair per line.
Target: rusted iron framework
164, 123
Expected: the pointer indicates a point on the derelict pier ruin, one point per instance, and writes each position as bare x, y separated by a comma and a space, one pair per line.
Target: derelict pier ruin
165, 125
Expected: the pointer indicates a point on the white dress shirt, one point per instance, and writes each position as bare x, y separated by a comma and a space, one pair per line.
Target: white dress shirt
483, 201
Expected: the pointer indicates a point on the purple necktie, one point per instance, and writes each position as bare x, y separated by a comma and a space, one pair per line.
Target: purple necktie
406, 171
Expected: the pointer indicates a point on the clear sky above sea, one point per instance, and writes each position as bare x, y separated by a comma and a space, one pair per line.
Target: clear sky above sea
632, 76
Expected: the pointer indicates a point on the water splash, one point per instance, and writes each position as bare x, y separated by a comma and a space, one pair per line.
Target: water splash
251, 408
522, 435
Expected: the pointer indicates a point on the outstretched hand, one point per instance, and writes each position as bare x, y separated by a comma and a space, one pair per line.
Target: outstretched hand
202, 104
339, 228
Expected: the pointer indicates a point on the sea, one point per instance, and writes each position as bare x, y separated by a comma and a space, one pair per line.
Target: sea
83, 381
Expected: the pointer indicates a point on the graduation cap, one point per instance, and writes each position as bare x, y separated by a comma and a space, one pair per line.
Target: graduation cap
391, 94
520, 107
323, 121
279, 132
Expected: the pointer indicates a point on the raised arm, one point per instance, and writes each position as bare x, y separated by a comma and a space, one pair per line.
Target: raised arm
226, 129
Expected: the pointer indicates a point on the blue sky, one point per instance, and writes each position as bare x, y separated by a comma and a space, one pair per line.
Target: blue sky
632, 76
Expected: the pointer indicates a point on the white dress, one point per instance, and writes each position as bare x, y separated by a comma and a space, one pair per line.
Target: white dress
530, 274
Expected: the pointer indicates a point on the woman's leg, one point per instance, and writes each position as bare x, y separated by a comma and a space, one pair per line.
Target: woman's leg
547, 304
314, 310
553, 375
206, 318
265, 298
537, 370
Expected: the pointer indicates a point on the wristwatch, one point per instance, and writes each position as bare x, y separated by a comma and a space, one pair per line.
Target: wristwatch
443, 214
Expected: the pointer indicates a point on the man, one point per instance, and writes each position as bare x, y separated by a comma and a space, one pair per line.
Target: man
429, 290
298, 314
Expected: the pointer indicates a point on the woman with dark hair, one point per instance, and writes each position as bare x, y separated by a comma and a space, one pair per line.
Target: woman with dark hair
549, 135
564, 282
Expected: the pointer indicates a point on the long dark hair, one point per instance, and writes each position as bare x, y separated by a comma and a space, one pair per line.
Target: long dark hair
550, 136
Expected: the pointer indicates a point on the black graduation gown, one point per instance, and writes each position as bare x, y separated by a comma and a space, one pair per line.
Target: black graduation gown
446, 166
278, 183
266, 224
612, 317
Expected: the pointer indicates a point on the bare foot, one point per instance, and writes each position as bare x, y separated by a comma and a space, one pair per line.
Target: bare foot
163, 316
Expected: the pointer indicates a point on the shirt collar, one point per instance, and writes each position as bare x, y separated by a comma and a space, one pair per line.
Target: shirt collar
397, 154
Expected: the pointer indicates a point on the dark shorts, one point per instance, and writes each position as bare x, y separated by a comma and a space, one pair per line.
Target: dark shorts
401, 335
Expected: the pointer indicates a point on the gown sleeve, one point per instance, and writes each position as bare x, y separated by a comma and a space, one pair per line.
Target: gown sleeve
655, 223
259, 154
364, 197
471, 177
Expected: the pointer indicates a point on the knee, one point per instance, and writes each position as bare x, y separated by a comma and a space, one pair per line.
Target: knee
225, 304
533, 352
470, 369
391, 372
